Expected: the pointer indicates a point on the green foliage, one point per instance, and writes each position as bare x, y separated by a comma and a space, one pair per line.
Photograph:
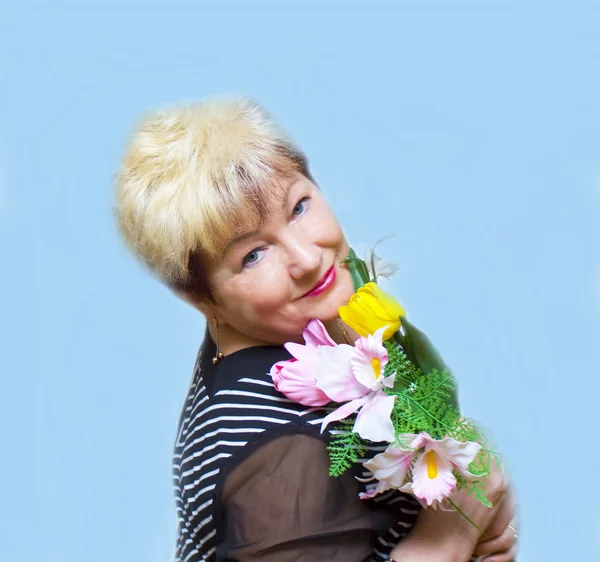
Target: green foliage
399, 363
424, 403
479, 466
467, 430
426, 406
345, 448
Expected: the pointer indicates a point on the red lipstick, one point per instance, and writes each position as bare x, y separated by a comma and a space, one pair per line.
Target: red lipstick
323, 284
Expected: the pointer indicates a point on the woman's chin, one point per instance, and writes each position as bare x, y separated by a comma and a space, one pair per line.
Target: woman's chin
327, 311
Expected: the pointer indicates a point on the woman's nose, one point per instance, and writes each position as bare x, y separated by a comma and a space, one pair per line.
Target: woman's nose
305, 257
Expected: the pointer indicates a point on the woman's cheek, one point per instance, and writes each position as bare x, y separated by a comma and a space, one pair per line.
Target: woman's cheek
266, 297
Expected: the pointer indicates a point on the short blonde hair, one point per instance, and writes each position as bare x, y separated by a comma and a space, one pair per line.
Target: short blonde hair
196, 175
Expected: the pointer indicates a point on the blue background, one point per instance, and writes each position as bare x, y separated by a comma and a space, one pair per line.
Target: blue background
469, 129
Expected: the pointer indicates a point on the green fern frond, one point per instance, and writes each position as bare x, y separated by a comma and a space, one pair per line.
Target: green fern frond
345, 448
425, 405
399, 363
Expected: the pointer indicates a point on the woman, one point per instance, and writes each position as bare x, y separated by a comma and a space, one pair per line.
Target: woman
222, 207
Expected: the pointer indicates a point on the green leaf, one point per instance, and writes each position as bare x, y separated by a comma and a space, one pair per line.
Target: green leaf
358, 270
422, 352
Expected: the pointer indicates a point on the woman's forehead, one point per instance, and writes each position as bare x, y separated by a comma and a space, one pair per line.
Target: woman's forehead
247, 218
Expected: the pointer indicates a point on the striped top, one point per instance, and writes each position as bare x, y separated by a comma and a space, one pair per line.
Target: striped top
230, 412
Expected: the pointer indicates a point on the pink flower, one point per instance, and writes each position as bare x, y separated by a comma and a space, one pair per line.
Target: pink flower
432, 474
334, 375
356, 374
322, 371
297, 383
373, 421
433, 478
315, 334
389, 468
295, 378
369, 360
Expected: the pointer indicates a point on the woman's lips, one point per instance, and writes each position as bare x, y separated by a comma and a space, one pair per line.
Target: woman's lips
325, 283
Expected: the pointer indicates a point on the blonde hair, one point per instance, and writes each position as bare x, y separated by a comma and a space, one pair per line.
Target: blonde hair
196, 175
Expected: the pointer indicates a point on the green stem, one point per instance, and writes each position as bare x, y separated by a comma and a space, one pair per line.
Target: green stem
358, 270
373, 266
464, 515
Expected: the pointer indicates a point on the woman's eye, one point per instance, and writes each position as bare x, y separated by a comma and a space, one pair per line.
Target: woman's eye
253, 257
301, 207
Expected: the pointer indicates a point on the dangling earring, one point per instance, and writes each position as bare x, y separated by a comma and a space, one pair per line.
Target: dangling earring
344, 333
219, 355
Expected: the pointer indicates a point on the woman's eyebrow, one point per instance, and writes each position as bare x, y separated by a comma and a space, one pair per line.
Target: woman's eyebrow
288, 190
239, 237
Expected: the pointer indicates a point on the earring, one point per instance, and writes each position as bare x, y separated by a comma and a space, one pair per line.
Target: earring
344, 333
219, 355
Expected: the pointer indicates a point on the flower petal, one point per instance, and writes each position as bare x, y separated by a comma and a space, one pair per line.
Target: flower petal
373, 422
301, 352
296, 382
355, 318
369, 360
460, 454
408, 489
392, 465
444, 505
432, 477
410, 441
374, 489
315, 334
389, 381
342, 412
334, 374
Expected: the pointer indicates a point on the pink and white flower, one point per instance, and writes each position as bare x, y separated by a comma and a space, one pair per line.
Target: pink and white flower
334, 374
369, 360
322, 371
296, 377
297, 382
433, 477
355, 374
389, 468
433, 472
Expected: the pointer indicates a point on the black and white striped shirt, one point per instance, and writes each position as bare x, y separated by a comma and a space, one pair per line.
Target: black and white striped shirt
231, 411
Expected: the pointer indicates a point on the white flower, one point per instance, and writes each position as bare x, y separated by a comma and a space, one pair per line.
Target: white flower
385, 269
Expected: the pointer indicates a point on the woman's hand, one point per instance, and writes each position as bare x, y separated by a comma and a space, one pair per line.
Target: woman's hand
442, 536
498, 543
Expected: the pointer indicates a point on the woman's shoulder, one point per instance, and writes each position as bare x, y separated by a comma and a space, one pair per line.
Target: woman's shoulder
250, 365
243, 382
233, 408
238, 390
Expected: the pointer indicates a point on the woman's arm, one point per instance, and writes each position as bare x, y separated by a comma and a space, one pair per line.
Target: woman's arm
280, 505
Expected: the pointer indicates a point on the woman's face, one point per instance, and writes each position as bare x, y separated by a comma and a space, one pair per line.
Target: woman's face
269, 283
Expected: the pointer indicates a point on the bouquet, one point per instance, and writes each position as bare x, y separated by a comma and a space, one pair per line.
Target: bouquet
401, 391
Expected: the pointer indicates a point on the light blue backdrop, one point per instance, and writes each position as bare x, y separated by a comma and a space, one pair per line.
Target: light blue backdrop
470, 129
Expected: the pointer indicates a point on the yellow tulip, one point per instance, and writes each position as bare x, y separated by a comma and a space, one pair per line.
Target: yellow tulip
371, 308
